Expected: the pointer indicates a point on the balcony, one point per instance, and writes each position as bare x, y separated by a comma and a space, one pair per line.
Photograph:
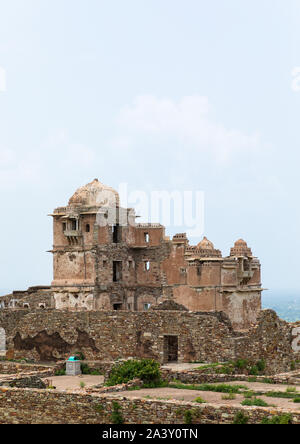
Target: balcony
72, 233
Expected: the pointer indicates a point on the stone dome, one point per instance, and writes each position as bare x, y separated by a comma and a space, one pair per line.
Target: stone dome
95, 194
205, 244
240, 249
240, 243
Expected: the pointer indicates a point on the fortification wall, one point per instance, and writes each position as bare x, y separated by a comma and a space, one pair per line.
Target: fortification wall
51, 335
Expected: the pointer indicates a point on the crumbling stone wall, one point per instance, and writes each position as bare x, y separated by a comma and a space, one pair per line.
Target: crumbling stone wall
107, 336
33, 406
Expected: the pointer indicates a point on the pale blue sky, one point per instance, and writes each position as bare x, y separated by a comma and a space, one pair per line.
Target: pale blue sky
115, 89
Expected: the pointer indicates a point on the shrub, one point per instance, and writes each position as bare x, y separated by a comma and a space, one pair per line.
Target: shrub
280, 419
82, 384
145, 369
241, 364
261, 365
199, 400
252, 379
229, 396
253, 370
60, 372
296, 400
291, 390
240, 418
293, 365
80, 356
188, 417
116, 415
255, 401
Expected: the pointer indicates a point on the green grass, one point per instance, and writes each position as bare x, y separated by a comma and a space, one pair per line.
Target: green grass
199, 400
281, 395
255, 401
229, 396
291, 390
220, 388
278, 419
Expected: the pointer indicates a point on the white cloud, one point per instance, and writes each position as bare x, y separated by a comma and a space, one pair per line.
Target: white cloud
189, 122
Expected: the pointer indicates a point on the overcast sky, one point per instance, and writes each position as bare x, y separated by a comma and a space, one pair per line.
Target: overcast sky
159, 94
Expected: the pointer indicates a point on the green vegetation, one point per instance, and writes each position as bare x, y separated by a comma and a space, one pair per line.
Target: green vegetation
240, 418
297, 400
60, 372
253, 370
80, 356
99, 408
220, 388
188, 417
116, 415
252, 379
82, 384
255, 401
282, 395
280, 419
86, 370
291, 390
229, 396
199, 400
261, 365
293, 365
145, 369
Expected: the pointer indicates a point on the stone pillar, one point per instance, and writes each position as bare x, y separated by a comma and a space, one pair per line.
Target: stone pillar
73, 368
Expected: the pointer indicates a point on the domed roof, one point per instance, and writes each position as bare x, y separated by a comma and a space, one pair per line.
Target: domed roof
240, 243
240, 249
95, 194
205, 244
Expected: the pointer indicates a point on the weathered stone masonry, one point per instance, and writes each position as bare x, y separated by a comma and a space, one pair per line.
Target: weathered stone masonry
107, 336
30, 406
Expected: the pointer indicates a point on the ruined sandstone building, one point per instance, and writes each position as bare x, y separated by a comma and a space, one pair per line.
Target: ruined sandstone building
104, 260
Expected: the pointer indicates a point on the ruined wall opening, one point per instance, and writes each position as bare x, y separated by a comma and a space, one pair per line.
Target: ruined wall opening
117, 271
171, 348
2, 342
116, 231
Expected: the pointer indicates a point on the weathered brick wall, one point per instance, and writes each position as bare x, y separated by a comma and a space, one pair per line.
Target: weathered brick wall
32, 406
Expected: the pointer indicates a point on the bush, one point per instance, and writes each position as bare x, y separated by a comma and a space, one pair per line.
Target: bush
145, 369
229, 396
253, 370
241, 364
199, 400
297, 400
60, 372
116, 415
293, 365
240, 418
80, 356
261, 365
255, 401
188, 417
280, 419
